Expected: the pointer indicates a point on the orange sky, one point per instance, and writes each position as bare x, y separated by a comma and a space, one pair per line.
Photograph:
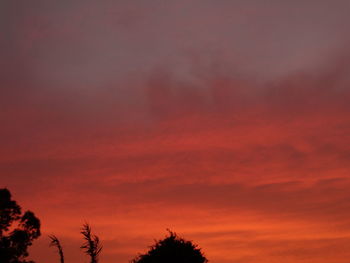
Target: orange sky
228, 123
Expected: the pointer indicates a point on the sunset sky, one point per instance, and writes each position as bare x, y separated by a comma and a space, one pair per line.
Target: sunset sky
227, 122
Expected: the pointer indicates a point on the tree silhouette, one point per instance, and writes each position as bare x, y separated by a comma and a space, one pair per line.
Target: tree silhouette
172, 249
17, 230
92, 245
56, 243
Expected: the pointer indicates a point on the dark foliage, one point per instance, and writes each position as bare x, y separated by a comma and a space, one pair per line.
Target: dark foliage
92, 245
17, 230
56, 243
172, 249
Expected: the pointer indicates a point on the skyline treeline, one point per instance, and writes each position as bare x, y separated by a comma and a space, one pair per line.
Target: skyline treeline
19, 230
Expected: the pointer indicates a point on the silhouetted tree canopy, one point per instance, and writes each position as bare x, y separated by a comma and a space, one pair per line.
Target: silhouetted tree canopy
172, 249
17, 230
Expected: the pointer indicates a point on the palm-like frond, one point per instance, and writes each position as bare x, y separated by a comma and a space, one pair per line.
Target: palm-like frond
56, 243
92, 245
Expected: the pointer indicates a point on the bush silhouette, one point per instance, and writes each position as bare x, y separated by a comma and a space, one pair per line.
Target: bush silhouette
172, 249
17, 230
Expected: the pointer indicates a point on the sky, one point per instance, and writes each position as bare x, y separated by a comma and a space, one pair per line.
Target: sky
227, 122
